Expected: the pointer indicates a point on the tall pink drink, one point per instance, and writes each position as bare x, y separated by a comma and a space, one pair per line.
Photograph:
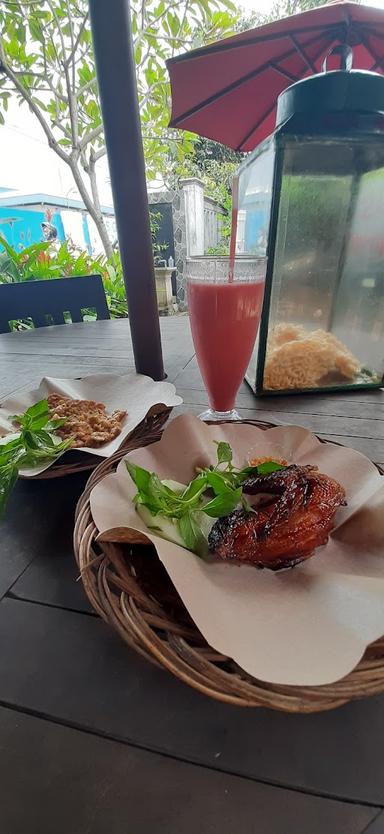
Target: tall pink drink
224, 319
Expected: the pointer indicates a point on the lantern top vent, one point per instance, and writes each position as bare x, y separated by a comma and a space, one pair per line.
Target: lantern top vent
304, 107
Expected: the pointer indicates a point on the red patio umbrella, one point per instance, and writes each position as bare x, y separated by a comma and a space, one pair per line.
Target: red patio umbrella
227, 91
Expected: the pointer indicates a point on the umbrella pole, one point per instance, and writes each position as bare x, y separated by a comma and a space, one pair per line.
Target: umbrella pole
116, 73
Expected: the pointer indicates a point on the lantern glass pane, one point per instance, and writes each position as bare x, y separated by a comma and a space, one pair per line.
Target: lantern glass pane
252, 197
326, 311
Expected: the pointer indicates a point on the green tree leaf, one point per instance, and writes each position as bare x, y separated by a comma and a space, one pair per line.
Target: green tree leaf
36, 29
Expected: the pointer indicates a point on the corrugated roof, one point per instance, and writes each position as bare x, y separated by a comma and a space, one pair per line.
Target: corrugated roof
18, 199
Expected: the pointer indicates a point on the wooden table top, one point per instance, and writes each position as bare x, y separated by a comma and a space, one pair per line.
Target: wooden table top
93, 739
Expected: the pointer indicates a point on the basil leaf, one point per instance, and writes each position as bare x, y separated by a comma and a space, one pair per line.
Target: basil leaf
37, 410
11, 456
139, 476
262, 469
223, 504
52, 425
224, 452
29, 439
171, 492
7, 448
157, 491
269, 466
43, 438
195, 488
187, 531
8, 478
37, 423
219, 482
192, 534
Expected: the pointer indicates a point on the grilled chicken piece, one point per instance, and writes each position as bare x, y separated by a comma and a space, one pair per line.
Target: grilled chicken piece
288, 529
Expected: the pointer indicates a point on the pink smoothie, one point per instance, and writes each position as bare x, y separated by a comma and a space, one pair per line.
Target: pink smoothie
224, 321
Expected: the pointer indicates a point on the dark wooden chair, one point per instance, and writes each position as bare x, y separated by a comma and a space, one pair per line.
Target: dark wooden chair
50, 302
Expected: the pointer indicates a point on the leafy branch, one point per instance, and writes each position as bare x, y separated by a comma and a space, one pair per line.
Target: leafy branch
47, 60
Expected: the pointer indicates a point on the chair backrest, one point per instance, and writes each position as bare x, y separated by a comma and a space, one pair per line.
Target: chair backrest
45, 302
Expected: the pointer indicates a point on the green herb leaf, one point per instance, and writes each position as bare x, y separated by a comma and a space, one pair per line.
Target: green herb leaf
268, 467
139, 476
186, 506
52, 425
37, 410
36, 423
187, 531
158, 492
223, 504
192, 534
220, 482
195, 488
262, 469
44, 438
30, 440
32, 414
8, 478
34, 445
11, 454
224, 452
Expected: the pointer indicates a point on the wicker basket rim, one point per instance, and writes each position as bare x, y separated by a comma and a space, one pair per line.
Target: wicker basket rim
140, 619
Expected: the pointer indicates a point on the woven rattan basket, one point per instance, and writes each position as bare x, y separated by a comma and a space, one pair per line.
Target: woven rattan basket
129, 587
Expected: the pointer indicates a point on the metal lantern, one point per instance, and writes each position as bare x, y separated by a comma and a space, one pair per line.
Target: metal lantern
311, 199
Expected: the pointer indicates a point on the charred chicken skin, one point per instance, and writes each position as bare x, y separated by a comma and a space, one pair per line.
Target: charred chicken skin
287, 529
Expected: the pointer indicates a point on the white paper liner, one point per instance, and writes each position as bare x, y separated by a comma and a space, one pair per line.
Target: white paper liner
306, 626
132, 392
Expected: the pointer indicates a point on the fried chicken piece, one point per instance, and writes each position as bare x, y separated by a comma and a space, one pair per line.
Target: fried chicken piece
86, 421
289, 528
292, 484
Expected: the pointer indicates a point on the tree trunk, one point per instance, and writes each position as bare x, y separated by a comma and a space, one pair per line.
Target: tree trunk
103, 234
97, 216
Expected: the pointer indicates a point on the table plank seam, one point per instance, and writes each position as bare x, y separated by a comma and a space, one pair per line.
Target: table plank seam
250, 412
73, 725
260, 411
274, 406
16, 579
371, 397
69, 355
10, 595
371, 824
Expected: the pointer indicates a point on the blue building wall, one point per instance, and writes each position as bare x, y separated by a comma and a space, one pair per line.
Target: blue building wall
25, 226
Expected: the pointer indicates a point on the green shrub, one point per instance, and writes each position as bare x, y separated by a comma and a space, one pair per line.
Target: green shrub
42, 261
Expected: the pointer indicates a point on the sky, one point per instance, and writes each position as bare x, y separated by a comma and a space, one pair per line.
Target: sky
28, 165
